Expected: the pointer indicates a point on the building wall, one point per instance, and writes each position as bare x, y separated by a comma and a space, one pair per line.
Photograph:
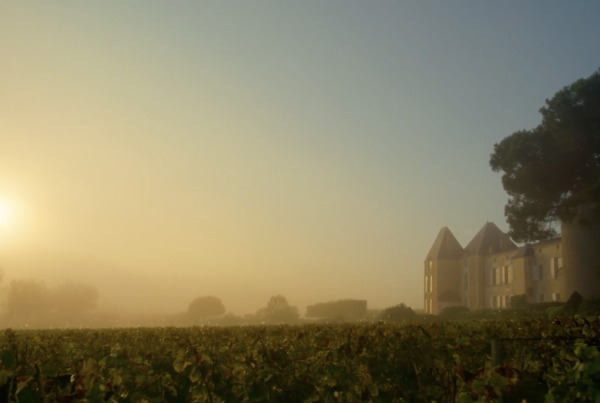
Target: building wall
499, 280
520, 268
476, 274
581, 260
547, 284
443, 277
445, 280
478, 289
428, 296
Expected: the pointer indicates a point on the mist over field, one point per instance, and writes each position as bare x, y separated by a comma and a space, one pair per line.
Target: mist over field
159, 152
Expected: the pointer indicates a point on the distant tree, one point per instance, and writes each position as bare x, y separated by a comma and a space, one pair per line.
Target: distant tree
204, 307
27, 299
74, 298
552, 172
398, 313
347, 308
231, 319
278, 310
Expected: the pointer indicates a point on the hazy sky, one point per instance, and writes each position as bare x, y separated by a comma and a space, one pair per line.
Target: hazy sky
168, 150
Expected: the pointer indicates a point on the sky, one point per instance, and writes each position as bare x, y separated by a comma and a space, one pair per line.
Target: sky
163, 151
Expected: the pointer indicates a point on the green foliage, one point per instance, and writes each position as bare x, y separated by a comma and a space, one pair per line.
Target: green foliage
204, 307
398, 313
442, 362
552, 172
454, 312
518, 301
575, 305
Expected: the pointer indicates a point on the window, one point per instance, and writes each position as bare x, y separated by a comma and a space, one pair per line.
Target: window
465, 282
509, 274
531, 292
428, 283
537, 273
497, 275
505, 275
466, 263
540, 297
507, 301
556, 296
430, 265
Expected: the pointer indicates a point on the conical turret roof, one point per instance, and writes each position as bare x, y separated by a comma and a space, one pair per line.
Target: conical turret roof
445, 246
490, 239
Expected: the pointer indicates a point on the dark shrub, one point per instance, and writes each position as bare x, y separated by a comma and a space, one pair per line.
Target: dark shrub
454, 312
398, 313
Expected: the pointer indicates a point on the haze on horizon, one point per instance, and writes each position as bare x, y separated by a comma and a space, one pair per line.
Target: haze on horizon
162, 151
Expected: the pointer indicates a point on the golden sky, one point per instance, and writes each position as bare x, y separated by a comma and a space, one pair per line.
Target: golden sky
163, 152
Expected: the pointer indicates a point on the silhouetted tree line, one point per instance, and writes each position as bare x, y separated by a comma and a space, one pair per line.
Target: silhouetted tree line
31, 301
350, 309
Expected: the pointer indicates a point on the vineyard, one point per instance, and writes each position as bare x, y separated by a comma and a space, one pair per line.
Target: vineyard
541, 360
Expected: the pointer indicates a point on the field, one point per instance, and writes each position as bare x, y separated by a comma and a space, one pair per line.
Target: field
444, 362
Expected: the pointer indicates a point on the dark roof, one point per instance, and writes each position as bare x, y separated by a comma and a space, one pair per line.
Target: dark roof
449, 296
525, 250
445, 246
489, 240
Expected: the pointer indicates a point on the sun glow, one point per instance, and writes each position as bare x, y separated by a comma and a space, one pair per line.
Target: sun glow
4, 212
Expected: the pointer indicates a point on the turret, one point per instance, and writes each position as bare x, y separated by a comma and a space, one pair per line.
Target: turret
581, 259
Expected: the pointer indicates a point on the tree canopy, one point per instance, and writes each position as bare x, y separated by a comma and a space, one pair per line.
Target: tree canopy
552, 172
203, 307
278, 310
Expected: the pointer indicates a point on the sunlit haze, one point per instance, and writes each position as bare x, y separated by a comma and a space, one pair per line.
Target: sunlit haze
163, 151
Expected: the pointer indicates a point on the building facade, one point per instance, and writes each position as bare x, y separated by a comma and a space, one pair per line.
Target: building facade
491, 269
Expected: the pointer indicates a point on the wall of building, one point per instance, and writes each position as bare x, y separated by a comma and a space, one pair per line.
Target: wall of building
549, 271
581, 260
550, 282
499, 279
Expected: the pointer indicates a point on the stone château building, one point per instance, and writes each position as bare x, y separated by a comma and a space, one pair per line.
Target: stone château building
491, 269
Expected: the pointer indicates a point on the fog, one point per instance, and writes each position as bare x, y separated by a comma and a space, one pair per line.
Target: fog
167, 151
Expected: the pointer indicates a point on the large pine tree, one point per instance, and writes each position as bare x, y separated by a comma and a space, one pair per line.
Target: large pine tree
552, 172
